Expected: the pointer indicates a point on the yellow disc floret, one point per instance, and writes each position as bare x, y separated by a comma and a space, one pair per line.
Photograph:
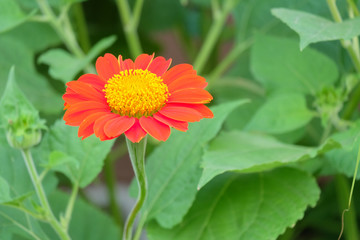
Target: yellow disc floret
136, 93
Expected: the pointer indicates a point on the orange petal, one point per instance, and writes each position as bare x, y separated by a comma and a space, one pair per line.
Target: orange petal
87, 126
190, 95
72, 98
107, 66
187, 81
178, 71
94, 80
99, 126
118, 126
77, 112
204, 110
86, 90
136, 132
143, 61
179, 125
159, 66
125, 65
180, 113
156, 129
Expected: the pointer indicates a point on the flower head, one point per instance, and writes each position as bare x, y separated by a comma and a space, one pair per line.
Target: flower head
136, 98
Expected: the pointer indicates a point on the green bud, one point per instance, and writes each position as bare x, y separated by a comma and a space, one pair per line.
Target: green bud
23, 132
18, 117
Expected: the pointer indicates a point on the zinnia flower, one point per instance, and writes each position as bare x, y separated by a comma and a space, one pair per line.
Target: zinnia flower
136, 98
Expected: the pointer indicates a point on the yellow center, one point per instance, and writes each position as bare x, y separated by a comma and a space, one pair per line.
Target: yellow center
136, 93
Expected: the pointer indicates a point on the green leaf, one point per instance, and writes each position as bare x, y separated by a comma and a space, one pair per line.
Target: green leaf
64, 66
57, 160
281, 113
246, 152
11, 15
312, 28
279, 65
21, 225
4, 191
83, 158
344, 159
16, 53
87, 222
173, 168
13, 102
245, 206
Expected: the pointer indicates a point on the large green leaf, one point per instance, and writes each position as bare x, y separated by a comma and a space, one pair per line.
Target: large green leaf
252, 16
246, 152
251, 206
85, 158
64, 66
281, 113
344, 159
15, 52
312, 28
173, 169
279, 65
11, 15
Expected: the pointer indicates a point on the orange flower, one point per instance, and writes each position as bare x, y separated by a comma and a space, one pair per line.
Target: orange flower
136, 98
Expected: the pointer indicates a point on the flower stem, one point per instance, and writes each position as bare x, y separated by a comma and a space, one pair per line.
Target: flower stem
213, 35
70, 206
130, 23
137, 157
60, 230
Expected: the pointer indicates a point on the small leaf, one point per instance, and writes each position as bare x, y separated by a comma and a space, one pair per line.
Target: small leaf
81, 160
64, 163
173, 168
64, 66
245, 152
312, 28
281, 113
245, 206
11, 15
279, 65
344, 159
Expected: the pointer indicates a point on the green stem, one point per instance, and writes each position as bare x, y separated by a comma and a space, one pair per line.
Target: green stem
110, 181
353, 7
352, 104
42, 196
212, 36
63, 28
137, 157
83, 34
130, 23
70, 206
347, 44
140, 227
350, 226
228, 60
